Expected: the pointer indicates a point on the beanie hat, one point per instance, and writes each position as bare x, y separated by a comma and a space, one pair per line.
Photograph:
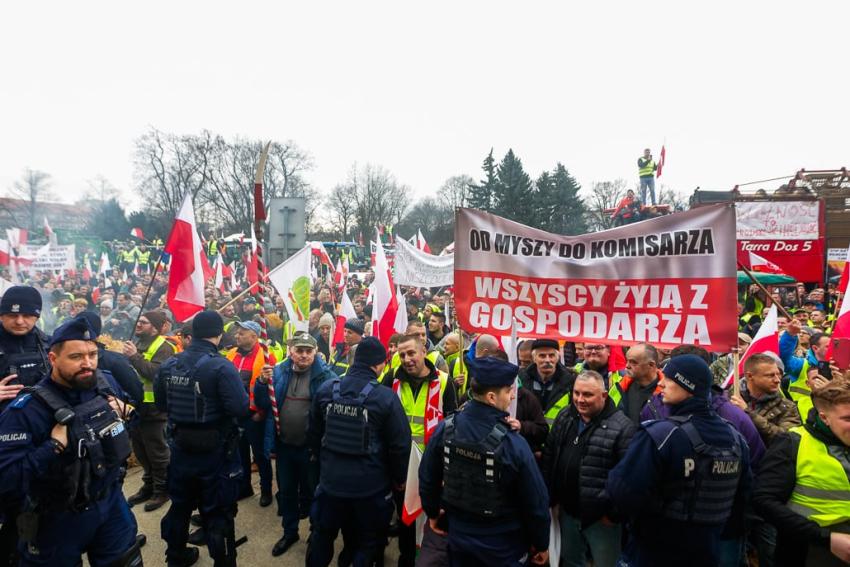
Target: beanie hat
370, 352
207, 325
94, 320
21, 299
691, 373
157, 319
326, 320
354, 325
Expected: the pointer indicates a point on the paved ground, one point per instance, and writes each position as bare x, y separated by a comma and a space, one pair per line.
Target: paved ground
261, 525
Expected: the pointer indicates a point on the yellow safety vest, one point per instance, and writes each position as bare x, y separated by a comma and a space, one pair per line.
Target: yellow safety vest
414, 408
277, 349
395, 361
647, 170
147, 383
800, 392
553, 412
129, 255
459, 368
822, 491
144, 257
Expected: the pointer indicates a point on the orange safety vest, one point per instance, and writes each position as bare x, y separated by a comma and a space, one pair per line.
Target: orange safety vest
256, 368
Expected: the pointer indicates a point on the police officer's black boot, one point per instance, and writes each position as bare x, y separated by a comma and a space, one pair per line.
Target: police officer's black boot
144, 494
189, 557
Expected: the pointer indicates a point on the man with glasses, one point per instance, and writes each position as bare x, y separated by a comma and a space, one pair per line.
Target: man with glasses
596, 358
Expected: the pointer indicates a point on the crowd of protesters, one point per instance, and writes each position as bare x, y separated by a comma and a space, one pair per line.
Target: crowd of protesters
582, 408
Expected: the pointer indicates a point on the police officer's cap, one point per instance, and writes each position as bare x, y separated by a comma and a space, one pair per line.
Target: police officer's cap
370, 352
22, 299
207, 325
690, 372
491, 371
94, 320
76, 329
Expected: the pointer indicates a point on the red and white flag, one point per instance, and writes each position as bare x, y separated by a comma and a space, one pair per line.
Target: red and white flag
48, 232
661, 162
845, 275
186, 279
105, 267
233, 282
766, 340
16, 236
5, 252
841, 329
219, 273
384, 301
137, 232
319, 251
401, 315
420, 242
87, 269
345, 311
763, 265
412, 502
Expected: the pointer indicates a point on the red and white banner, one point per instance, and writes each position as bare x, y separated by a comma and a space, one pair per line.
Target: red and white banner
655, 281
788, 233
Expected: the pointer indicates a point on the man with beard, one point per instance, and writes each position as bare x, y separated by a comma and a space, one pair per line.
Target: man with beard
149, 446
548, 379
63, 447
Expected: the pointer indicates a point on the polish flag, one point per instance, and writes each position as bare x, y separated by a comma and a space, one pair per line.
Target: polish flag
48, 232
16, 236
764, 266
233, 283
252, 265
104, 264
384, 302
345, 311
186, 280
220, 268
95, 295
420, 242
87, 270
661, 161
412, 508
319, 250
137, 232
400, 325
5, 252
766, 340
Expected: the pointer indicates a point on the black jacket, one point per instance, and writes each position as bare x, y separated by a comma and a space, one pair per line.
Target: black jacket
563, 380
123, 372
590, 454
774, 485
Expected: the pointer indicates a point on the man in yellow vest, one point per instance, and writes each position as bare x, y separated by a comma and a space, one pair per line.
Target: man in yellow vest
549, 380
427, 395
646, 172
803, 487
596, 358
148, 435
143, 256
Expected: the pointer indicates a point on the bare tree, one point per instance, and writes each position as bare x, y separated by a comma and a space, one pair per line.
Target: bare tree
101, 189
604, 195
676, 200
341, 208
34, 188
378, 198
455, 190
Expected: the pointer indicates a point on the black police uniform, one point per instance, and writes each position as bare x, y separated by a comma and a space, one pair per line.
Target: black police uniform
71, 500
24, 355
363, 437
203, 396
485, 477
682, 478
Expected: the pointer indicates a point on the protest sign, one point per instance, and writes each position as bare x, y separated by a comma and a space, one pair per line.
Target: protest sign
56, 257
667, 281
417, 268
788, 233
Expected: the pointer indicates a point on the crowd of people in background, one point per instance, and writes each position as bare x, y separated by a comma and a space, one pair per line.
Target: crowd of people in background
582, 408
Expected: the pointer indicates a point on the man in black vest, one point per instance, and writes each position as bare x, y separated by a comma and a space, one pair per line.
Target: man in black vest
203, 395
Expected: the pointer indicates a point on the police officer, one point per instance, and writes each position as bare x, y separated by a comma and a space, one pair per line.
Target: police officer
480, 477
204, 397
23, 362
63, 447
363, 438
683, 478
23, 346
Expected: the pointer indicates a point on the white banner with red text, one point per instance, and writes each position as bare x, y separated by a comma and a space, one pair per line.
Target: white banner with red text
667, 281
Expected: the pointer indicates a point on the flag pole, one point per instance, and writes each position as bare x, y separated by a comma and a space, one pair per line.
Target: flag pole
145, 300
764, 289
259, 217
736, 360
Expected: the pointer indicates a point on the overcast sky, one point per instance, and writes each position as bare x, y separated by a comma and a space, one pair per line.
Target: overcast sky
740, 91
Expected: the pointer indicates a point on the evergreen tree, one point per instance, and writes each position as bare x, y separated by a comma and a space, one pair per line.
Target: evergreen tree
569, 214
108, 221
544, 202
513, 195
481, 196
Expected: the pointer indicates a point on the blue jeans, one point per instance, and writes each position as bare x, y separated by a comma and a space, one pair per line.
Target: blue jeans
296, 483
252, 442
603, 542
647, 183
